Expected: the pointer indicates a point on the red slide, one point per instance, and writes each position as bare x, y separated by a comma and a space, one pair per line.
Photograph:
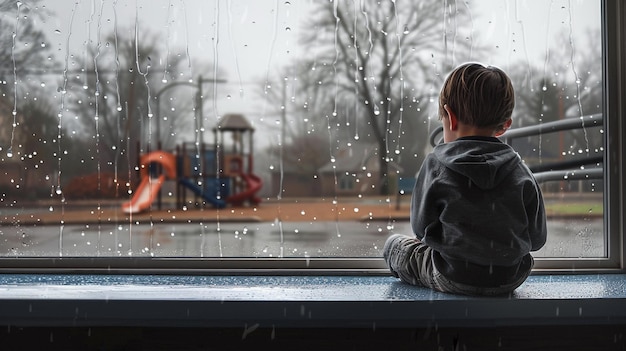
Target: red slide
149, 187
253, 184
145, 194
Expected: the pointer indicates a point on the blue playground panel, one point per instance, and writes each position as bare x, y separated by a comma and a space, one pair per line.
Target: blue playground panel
189, 165
215, 187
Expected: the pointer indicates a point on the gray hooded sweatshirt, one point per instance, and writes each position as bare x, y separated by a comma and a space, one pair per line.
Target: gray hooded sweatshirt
478, 206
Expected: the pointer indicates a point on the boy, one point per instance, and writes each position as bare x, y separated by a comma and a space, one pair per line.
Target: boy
476, 209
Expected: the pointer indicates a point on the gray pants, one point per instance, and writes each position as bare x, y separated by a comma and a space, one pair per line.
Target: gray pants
411, 261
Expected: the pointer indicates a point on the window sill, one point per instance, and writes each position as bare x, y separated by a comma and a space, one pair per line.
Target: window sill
58, 300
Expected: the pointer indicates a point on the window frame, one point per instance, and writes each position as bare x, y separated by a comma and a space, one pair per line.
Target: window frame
614, 83
613, 14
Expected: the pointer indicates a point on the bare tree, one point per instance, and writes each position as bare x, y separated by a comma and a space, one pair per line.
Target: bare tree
380, 55
23, 46
23, 50
299, 97
115, 99
568, 85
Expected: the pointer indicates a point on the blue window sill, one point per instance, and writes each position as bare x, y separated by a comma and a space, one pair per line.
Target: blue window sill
31, 300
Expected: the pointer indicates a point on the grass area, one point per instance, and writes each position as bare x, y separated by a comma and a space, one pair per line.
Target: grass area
575, 208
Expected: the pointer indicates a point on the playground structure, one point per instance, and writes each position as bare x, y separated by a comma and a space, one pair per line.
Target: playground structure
220, 174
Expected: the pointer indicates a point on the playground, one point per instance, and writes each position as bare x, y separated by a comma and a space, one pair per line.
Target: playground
220, 174
219, 180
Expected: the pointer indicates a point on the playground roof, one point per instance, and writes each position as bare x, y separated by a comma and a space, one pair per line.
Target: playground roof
233, 122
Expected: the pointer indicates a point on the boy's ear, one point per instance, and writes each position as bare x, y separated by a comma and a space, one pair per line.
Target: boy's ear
451, 117
505, 127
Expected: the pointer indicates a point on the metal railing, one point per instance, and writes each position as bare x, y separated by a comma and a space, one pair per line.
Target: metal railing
562, 170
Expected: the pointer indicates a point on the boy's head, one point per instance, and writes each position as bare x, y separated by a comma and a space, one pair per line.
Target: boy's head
479, 96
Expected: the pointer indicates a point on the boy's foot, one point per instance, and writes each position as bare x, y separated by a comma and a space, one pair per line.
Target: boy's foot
392, 248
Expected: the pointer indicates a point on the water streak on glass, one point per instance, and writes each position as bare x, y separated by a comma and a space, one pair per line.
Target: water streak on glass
216, 36
368, 55
167, 45
576, 76
454, 10
470, 37
14, 113
520, 22
544, 83
329, 120
97, 114
231, 38
60, 124
357, 68
402, 83
337, 21
143, 74
272, 46
130, 217
119, 105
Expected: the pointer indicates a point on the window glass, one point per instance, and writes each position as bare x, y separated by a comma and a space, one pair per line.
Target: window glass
275, 129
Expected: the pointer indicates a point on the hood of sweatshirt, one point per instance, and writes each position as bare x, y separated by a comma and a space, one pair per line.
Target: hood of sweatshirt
485, 161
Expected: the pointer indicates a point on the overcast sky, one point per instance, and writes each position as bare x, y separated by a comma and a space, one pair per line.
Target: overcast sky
255, 36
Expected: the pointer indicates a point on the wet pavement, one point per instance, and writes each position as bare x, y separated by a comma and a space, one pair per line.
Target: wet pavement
287, 228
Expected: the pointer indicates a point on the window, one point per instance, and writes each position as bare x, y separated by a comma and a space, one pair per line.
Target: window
281, 134
346, 182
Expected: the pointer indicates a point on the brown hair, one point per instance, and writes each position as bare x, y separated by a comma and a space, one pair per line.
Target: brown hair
481, 96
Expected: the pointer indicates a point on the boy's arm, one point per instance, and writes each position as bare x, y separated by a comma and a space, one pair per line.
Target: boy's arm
536, 219
423, 207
